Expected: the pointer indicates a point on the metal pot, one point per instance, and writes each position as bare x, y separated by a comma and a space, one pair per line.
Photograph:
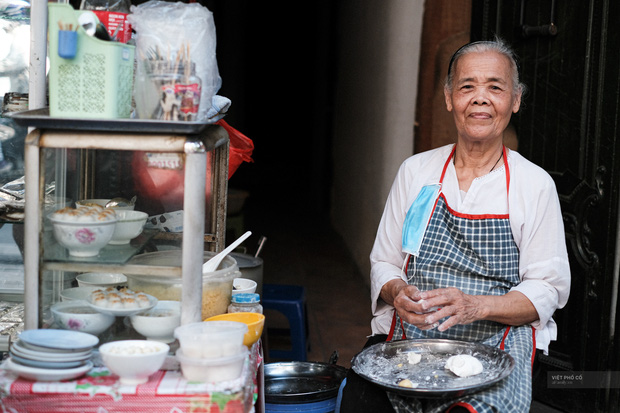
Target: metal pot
299, 382
251, 267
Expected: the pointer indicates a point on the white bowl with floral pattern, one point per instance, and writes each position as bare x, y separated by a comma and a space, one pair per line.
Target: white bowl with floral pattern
83, 231
77, 315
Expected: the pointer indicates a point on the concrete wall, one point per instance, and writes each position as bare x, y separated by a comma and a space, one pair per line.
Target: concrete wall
374, 112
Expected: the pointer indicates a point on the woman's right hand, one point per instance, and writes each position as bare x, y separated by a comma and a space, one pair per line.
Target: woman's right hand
407, 301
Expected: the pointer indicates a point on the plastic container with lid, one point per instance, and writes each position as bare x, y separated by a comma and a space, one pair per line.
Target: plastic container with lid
212, 369
211, 339
216, 286
245, 303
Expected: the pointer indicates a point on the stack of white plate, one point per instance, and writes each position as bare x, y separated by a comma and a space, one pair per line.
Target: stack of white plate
51, 355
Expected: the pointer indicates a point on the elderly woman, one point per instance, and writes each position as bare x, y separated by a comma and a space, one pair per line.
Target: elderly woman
471, 243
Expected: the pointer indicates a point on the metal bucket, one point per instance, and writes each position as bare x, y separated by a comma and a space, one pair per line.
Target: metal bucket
302, 386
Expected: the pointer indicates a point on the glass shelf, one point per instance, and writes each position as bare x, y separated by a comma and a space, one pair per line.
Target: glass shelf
110, 254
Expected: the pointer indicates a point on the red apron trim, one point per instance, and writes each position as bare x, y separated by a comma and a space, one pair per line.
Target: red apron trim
507, 171
472, 216
445, 166
467, 406
392, 327
501, 345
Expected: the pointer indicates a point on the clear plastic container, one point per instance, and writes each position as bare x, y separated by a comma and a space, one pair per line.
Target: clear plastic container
211, 339
216, 286
245, 303
176, 87
213, 369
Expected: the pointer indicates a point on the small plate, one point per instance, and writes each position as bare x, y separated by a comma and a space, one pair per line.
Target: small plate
39, 374
18, 349
64, 340
47, 364
77, 293
121, 312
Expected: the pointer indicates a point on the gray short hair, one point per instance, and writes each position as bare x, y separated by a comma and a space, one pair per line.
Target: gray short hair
497, 45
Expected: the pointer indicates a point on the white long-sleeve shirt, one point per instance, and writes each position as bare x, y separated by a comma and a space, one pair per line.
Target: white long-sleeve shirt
535, 220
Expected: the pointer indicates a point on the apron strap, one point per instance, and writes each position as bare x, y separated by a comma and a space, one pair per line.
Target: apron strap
445, 167
393, 328
501, 345
507, 171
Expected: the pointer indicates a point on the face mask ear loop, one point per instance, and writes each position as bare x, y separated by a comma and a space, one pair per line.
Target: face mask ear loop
404, 267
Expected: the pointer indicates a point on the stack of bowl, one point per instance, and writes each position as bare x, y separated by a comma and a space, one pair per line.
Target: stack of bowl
211, 351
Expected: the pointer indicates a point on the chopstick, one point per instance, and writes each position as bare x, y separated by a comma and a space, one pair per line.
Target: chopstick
66, 27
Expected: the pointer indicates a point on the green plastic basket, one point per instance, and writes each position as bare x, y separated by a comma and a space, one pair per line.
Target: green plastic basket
97, 82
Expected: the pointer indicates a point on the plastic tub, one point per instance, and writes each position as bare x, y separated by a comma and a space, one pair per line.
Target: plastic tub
212, 369
211, 339
216, 286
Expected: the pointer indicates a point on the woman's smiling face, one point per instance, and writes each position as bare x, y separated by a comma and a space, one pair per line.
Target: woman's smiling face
482, 98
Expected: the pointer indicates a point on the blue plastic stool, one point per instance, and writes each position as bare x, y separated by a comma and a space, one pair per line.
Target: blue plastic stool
290, 300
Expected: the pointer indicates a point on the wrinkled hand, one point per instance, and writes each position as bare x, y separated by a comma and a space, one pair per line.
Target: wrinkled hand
461, 308
410, 307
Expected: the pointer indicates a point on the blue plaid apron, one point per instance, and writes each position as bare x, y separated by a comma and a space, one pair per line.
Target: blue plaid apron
476, 254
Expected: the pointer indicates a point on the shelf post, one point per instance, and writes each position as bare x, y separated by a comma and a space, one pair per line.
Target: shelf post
193, 231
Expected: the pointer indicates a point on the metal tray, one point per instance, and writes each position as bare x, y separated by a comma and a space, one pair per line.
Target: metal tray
386, 364
297, 381
40, 118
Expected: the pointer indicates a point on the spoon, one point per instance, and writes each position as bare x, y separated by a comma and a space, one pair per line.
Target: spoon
214, 262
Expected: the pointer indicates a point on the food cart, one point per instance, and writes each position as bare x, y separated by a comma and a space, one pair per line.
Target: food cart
74, 158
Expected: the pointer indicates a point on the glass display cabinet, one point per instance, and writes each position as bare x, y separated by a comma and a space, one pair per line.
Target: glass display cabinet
87, 162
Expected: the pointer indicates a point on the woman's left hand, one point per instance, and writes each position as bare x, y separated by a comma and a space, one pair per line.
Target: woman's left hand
461, 308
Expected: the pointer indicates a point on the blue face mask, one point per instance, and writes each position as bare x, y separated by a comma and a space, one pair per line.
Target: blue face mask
417, 218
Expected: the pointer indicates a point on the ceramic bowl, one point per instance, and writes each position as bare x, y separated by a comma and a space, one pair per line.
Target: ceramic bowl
82, 239
243, 286
254, 321
129, 225
133, 361
78, 316
159, 322
101, 279
101, 202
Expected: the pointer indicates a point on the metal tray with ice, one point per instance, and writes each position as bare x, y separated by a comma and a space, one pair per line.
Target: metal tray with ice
387, 364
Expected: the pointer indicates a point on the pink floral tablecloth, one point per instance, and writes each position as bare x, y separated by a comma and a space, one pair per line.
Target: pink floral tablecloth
99, 391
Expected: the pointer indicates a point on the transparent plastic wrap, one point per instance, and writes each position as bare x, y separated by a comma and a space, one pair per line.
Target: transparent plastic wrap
181, 37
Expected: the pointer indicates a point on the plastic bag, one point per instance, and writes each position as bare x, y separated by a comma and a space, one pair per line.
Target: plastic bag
241, 148
159, 177
173, 35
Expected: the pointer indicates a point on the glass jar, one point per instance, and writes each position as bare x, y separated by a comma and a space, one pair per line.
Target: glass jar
170, 91
245, 303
